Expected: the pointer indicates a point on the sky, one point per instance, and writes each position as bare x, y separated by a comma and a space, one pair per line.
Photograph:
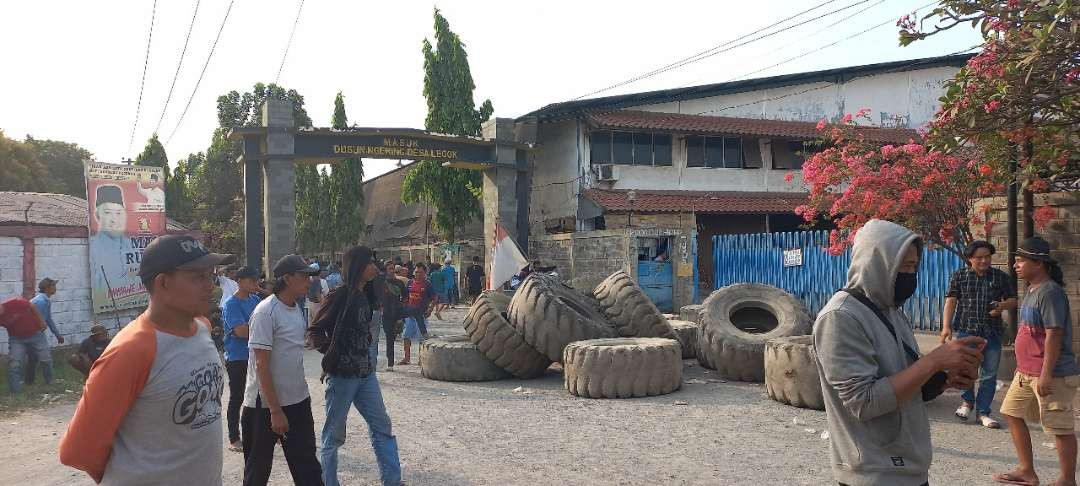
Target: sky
74, 68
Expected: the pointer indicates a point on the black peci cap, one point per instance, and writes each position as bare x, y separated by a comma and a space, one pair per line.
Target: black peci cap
178, 252
108, 194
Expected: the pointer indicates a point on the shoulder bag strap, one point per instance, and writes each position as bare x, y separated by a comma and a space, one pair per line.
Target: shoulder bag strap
864, 300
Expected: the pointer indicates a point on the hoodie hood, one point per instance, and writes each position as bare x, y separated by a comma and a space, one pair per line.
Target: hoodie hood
875, 259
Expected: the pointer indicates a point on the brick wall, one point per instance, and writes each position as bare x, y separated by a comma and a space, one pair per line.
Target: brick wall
583, 259
1063, 234
66, 260
11, 255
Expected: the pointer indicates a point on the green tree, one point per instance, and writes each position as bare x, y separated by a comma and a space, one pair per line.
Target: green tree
346, 191
63, 162
306, 186
22, 171
448, 88
216, 182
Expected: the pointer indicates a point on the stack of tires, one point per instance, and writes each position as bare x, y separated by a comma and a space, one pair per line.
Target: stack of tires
613, 343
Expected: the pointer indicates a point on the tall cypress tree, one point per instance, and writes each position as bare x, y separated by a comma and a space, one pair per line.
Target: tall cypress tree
448, 88
347, 195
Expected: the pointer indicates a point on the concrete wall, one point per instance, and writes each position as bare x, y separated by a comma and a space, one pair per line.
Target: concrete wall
66, 260
583, 259
1063, 234
11, 257
905, 99
558, 169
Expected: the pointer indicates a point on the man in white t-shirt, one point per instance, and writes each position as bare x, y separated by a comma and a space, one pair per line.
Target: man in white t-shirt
277, 406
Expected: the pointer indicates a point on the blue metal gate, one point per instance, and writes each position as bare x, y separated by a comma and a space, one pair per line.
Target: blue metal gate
655, 278
759, 258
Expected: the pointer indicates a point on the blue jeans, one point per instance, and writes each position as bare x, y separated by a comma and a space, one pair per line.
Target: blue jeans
988, 374
19, 349
365, 395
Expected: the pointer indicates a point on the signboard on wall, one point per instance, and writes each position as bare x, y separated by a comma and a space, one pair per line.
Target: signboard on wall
127, 212
793, 257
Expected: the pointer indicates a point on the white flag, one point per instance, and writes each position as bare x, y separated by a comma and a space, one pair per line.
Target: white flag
506, 259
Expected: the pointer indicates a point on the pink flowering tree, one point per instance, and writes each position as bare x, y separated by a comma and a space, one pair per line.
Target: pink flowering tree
1019, 97
853, 180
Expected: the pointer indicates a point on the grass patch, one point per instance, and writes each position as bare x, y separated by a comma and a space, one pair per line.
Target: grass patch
39, 394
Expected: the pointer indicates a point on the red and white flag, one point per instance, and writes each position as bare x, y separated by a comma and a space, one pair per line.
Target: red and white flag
506, 259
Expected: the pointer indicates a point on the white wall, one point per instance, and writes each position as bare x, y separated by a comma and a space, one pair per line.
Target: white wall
66, 260
908, 97
555, 177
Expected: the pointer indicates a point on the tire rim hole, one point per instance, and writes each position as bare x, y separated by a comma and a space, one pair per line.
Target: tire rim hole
754, 319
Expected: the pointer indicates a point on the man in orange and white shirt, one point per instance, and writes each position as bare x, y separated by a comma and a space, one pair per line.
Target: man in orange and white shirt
150, 413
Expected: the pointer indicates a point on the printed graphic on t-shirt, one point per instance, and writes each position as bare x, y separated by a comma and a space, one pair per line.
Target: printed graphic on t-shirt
198, 403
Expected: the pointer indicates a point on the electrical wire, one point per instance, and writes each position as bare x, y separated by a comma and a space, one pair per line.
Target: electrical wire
142, 83
202, 73
821, 48
289, 43
725, 47
179, 63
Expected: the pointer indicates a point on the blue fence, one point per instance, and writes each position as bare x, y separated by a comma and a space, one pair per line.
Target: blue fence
759, 258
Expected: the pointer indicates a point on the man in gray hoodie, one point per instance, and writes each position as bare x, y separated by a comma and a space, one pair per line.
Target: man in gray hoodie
872, 377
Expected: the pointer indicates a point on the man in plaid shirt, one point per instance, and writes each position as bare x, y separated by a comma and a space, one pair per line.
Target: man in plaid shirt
977, 296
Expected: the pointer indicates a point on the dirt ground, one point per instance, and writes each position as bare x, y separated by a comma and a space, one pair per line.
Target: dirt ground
486, 434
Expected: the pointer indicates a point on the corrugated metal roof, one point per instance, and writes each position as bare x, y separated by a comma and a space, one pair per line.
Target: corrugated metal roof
47, 209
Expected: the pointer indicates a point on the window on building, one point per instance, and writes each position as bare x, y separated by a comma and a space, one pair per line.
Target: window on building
600, 147
791, 154
630, 148
715, 152
661, 149
622, 147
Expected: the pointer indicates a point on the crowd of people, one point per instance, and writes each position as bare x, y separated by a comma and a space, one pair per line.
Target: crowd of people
151, 407
875, 382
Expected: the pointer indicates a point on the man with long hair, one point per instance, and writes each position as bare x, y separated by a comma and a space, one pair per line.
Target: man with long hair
277, 406
1046, 368
342, 331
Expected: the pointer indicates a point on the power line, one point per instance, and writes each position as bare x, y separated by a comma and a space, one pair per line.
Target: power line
202, 73
142, 83
179, 63
725, 46
824, 86
289, 43
826, 46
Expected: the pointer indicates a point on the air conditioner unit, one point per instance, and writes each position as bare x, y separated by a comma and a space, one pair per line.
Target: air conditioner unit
607, 172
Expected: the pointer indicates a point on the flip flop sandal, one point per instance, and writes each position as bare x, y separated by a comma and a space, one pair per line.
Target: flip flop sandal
963, 412
1007, 478
989, 422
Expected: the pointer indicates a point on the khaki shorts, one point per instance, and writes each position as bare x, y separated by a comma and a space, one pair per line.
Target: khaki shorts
1054, 411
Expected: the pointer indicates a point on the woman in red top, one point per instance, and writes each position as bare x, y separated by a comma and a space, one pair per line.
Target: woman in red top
419, 297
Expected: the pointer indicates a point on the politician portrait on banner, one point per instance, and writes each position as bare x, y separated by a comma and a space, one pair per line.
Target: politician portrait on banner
127, 211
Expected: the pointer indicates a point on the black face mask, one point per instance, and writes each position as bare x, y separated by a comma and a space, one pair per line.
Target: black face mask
904, 287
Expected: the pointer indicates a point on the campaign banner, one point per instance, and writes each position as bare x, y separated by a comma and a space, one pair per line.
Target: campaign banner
127, 211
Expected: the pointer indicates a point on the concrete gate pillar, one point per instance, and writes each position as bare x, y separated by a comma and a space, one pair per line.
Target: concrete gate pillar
506, 190
279, 197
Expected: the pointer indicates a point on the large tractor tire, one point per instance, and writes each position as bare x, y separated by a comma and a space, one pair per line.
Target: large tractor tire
551, 315
622, 367
791, 373
455, 358
629, 309
493, 335
737, 320
687, 332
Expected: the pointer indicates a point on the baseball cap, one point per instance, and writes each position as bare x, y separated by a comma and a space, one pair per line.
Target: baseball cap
247, 272
293, 264
178, 252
